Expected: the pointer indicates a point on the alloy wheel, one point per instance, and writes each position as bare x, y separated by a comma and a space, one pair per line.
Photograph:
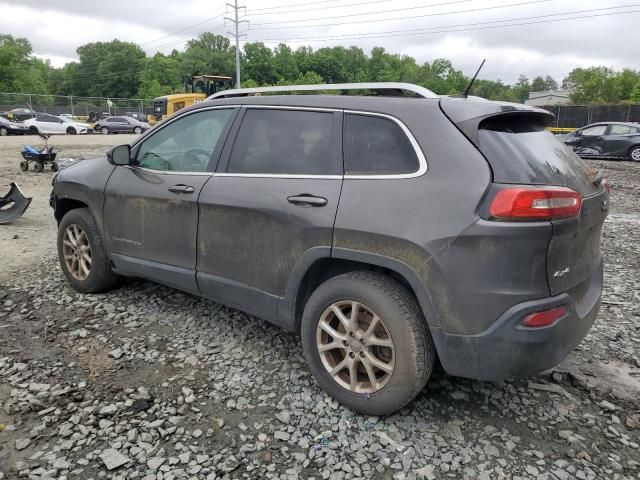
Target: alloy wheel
355, 347
77, 252
635, 154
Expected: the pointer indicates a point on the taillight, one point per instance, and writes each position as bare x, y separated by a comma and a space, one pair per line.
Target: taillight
545, 318
535, 203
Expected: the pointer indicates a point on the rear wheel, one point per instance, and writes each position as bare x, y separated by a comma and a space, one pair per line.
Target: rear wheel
54, 166
38, 167
104, 130
82, 255
4, 131
367, 343
33, 130
24, 165
634, 154
71, 131
137, 130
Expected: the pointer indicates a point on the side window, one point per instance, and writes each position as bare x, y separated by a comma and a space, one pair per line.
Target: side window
186, 144
111, 120
622, 130
377, 146
594, 131
291, 142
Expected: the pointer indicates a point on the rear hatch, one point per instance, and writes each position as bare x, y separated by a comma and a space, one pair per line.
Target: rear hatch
514, 140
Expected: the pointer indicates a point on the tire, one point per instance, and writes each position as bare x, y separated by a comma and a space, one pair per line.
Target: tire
137, 130
24, 165
4, 131
100, 277
71, 131
634, 154
38, 167
54, 166
104, 130
405, 327
33, 130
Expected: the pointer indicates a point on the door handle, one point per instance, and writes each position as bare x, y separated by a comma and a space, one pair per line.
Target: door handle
306, 200
182, 189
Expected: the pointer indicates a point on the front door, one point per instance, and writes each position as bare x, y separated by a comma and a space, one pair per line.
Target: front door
273, 200
591, 141
151, 209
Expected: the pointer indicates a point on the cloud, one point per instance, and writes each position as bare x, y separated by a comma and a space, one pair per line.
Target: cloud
465, 30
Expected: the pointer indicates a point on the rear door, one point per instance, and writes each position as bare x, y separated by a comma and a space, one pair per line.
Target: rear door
273, 200
151, 206
620, 139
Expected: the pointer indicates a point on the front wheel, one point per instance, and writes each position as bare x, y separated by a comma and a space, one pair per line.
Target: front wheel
71, 131
54, 166
24, 165
634, 154
367, 343
82, 255
38, 167
4, 131
104, 130
137, 130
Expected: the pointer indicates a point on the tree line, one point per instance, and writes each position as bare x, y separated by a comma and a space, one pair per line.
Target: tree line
122, 69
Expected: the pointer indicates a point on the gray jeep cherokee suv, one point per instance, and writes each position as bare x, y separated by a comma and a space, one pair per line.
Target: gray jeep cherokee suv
387, 229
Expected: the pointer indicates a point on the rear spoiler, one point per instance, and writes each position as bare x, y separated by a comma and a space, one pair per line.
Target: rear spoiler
468, 113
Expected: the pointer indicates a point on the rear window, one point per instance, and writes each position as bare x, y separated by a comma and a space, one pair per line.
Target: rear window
285, 142
376, 146
521, 150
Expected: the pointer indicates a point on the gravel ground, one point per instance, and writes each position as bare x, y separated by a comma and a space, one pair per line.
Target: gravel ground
150, 383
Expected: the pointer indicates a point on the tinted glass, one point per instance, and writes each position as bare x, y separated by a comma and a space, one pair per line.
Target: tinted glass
622, 130
377, 145
522, 151
594, 131
285, 142
186, 144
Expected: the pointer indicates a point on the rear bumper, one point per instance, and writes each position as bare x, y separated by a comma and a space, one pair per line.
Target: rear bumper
508, 350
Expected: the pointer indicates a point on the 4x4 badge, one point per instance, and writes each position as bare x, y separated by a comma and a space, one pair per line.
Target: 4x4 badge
561, 273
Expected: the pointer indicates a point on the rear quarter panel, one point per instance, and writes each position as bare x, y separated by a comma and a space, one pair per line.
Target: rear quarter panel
412, 221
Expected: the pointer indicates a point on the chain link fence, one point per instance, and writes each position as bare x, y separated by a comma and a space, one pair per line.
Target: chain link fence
576, 116
76, 106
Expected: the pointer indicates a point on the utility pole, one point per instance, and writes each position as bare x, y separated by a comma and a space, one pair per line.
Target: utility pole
236, 21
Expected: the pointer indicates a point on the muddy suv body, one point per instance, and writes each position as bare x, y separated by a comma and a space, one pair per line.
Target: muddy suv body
386, 229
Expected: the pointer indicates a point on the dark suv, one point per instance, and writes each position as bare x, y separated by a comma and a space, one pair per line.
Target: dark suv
387, 229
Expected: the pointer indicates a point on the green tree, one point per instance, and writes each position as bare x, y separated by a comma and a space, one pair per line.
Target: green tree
165, 71
108, 69
19, 70
208, 54
285, 63
257, 63
540, 84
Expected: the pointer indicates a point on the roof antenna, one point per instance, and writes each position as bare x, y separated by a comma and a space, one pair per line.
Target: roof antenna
465, 94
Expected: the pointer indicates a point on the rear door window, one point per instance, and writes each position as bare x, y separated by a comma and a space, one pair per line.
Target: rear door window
375, 145
285, 142
622, 130
521, 150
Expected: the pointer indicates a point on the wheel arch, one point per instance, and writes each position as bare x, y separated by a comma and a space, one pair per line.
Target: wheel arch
631, 148
319, 264
64, 205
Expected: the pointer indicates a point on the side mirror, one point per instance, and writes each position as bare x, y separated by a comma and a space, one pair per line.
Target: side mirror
119, 155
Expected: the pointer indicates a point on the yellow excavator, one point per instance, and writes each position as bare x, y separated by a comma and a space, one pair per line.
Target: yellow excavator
200, 86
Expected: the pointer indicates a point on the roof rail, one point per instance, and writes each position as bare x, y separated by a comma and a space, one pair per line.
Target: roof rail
382, 88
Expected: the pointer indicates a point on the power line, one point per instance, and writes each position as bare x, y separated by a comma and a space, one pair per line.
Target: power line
404, 9
299, 5
183, 29
344, 5
493, 21
376, 20
403, 33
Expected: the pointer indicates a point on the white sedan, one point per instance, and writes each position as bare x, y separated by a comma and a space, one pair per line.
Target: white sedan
49, 124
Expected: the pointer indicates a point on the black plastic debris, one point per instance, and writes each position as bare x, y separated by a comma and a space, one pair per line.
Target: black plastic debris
13, 204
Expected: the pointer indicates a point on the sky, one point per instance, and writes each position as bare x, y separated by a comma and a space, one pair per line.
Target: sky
530, 37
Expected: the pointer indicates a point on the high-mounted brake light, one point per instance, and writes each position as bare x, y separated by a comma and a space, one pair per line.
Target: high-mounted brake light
535, 203
545, 318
